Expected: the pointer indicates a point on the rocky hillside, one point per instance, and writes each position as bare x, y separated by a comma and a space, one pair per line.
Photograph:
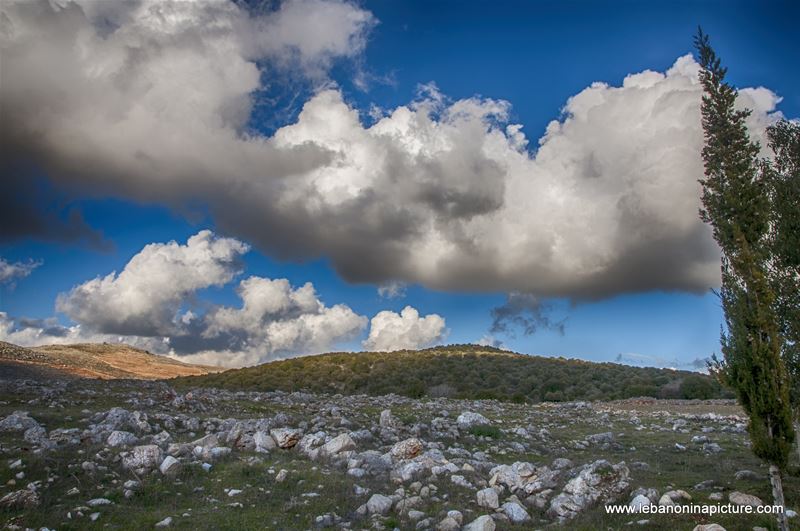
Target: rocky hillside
90, 360
118, 454
464, 371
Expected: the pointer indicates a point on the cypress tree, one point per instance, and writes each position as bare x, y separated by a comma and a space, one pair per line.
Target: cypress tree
784, 241
736, 202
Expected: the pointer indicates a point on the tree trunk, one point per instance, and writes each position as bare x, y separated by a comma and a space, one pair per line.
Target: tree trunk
777, 496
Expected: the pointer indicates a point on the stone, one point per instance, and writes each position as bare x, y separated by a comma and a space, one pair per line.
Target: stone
285, 438
387, 419
457, 516
448, 524
597, 482
469, 419
166, 522
600, 438
141, 459
18, 421
415, 515
740, 498
515, 512
99, 502
488, 498
407, 449
379, 504
638, 502
263, 441
747, 475
481, 523
674, 497
281, 475
170, 466
20, 499
708, 527
339, 444
121, 438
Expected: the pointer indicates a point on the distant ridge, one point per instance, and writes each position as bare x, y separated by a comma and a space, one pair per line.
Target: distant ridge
92, 360
464, 371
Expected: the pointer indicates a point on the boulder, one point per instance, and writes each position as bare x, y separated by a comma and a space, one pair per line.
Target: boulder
469, 419
481, 523
170, 466
17, 421
339, 444
407, 449
263, 441
142, 459
740, 498
639, 501
121, 438
598, 482
20, 499
285, 438
488, 498
387, 419
515, 512
379, 504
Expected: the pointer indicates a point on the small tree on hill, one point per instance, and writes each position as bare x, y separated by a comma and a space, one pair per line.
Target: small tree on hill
736, 202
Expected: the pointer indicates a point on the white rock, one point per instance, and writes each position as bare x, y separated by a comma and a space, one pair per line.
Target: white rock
468, 419
142, 458
481, 523
121, 438
638, 502
341, 443
740, 498
281, 475
263, 441
166, 522
170, 466
387, 419
379, 504
708, 527
515, 512
97, 502
488, 498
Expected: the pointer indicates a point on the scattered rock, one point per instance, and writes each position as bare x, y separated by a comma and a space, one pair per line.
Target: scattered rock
20, 499
469, 419
740, 498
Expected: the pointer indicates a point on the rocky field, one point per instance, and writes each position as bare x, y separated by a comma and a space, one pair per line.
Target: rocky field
122, 454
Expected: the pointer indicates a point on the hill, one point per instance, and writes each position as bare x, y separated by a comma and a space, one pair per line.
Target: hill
464, 371
92, 360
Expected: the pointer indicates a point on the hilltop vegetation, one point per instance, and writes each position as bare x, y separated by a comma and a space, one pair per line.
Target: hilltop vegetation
463, 371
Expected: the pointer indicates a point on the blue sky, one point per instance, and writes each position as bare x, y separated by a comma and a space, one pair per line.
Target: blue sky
534, 55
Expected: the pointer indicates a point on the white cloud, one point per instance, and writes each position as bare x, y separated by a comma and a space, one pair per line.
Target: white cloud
277, 320
145, 297
145, 306
155, 106
10, 272
406, 330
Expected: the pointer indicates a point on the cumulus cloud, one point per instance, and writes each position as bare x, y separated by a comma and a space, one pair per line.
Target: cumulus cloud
406, 330
276, 319
10, 272
145, 297
154, 105
153, 304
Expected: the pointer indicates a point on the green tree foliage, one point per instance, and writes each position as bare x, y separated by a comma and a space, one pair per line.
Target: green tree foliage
738, 203
784, 243
461, 371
